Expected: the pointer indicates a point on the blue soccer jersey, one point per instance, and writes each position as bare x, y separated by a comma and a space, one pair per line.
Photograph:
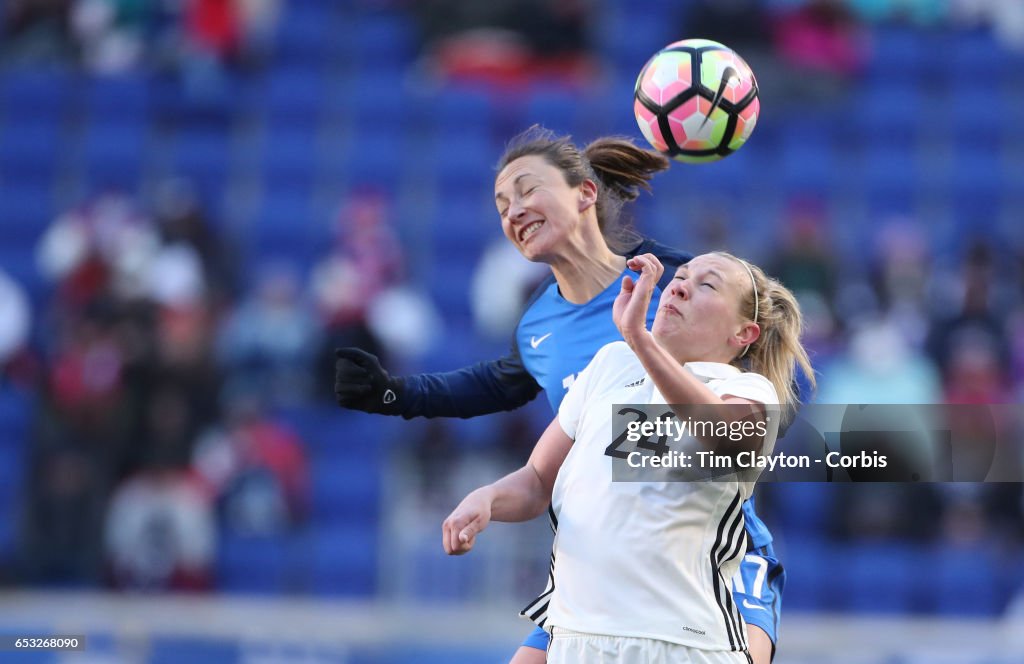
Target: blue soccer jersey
557, 338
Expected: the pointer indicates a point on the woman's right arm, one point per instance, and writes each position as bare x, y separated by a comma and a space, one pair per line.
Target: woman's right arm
519, 496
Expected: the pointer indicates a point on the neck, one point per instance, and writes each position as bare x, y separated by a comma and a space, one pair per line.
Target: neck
584, 272
683, 353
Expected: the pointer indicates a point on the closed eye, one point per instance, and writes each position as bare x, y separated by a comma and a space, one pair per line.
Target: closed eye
704, 283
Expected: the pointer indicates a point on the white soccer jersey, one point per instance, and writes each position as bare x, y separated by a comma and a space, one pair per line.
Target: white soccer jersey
644, 559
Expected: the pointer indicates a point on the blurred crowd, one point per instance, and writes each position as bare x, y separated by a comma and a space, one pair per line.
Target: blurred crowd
110, 36
158, 371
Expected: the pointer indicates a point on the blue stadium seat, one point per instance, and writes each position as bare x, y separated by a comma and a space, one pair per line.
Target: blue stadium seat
383, 39
981, 61
114, 155
903, 54
287, 229
26, 210
305, 32
343, 561
611, 111
892, 112
630, 40
556, 108
812, 581
380, 100
449, 285
35, 94
290, 158
464, 163
889, 177
346, 487
326, 429
117, 99
13, 473
878, 578
979, 117
979, 181
463, 223
965, 581
202, 155
376, 156
251, 563
459, 108
808, 166
294, 95
802, 507
30, 150
476, 433
15, 414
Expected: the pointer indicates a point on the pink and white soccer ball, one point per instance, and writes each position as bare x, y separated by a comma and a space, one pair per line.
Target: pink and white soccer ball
696, 101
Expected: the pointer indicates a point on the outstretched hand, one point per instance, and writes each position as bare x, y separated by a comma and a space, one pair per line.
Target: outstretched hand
630, 309
459, 530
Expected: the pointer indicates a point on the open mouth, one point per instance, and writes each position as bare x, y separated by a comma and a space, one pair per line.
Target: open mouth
529, 230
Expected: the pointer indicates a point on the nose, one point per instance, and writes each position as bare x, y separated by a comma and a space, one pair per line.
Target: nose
678, 289
516, 211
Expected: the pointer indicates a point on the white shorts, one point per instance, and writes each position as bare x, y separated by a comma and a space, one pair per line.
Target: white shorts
568, 647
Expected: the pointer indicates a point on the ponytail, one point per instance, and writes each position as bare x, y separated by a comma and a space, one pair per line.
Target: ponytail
777, 353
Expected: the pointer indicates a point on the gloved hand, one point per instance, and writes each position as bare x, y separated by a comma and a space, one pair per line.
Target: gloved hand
361, 383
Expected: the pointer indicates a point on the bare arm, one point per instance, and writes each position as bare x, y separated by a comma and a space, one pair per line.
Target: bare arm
519, 496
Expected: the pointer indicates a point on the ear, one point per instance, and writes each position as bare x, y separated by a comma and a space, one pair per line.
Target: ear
588, 194
748, 333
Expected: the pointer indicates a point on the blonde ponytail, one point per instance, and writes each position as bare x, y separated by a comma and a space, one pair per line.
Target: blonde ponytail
778, 352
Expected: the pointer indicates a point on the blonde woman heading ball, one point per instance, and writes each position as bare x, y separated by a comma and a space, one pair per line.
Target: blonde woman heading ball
641, 569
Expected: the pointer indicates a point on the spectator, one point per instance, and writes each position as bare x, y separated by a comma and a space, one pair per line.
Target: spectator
160, 533
267, 343
257, 470
507, 41
364, 261
880, 367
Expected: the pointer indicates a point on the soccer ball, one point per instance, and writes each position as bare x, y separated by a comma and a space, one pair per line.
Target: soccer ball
696, 118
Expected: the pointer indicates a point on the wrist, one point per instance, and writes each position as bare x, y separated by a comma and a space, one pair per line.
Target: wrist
487, 494
640, 341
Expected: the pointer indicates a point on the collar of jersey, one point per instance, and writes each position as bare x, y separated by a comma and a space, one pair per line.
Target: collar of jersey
711, 370
616, 285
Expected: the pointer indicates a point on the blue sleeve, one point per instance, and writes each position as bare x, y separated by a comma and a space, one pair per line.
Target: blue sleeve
479, 389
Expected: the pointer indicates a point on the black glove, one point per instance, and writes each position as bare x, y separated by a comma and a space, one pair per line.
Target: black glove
360, 383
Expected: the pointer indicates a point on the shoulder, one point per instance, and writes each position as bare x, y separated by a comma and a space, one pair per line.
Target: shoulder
611, 354
539, 291
610, 362
666, 254
748, 385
